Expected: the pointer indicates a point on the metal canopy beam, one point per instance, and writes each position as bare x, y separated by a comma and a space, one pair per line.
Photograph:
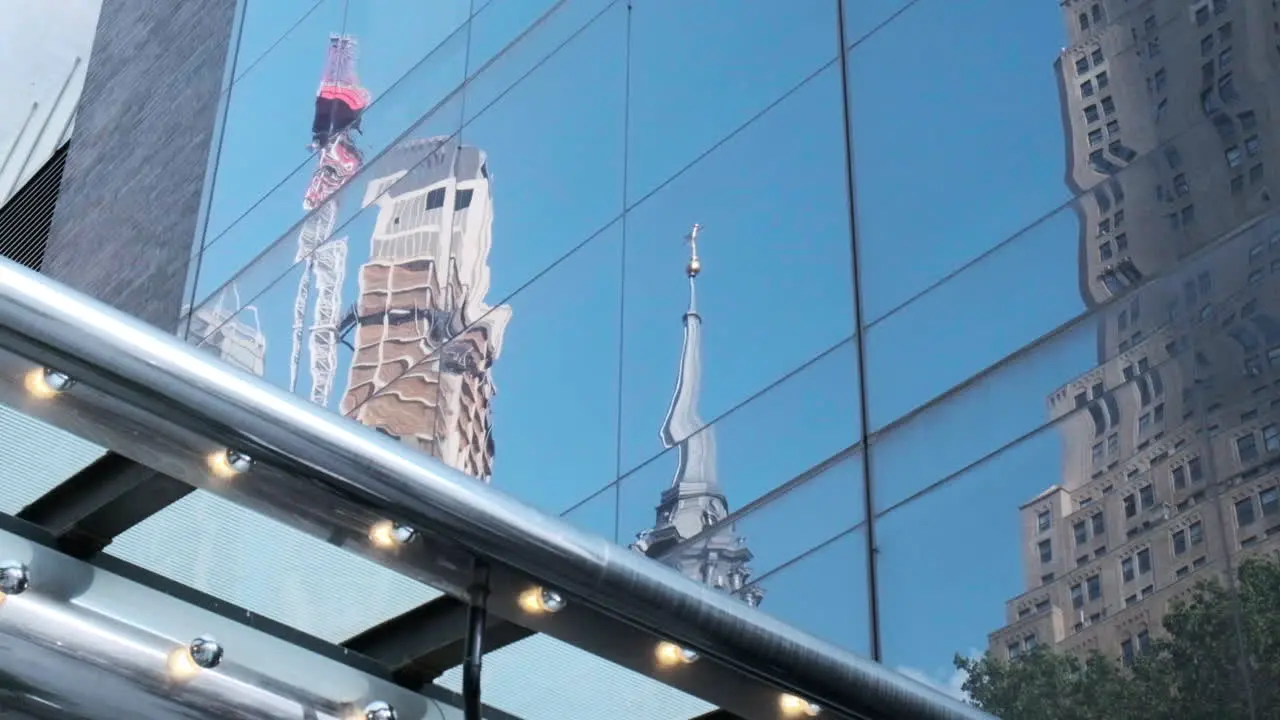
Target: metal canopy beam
313, 461
94, 506
421, 644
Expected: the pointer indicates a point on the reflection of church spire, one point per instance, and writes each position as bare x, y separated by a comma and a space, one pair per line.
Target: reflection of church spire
695, 503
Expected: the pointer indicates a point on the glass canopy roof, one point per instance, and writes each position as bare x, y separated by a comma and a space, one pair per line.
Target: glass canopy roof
216, 547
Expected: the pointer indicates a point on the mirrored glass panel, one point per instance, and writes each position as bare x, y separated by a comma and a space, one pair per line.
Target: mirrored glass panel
555, 141
1094, 98
529, 383
765, 285
823, 592
1062, 587
748, 453
696, 78
328, 177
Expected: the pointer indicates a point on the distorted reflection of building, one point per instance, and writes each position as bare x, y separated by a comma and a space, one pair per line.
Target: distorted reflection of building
234, 335
424, 340
1171, 444
690, 533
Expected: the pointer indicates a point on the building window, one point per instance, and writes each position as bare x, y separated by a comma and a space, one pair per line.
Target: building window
1255, 174
1122, 242
1095, 137
1046, 578
1244, 512
1081, 531
1086, 88
1102, 80
1202, 15
1084, 22
1046, 551
1144, 641
1270, 501
1248, 120
1099, 457
1195, 470
1042, 606
1077, 596
1099, 524
1108, 105
1188, 215
1082, 65
1144, 561
1220, 6
1043, 521
1161, 80
1206, 45
1179, 542
1227, 88
1094, 587
1126, 652
1147, 496
1195, 533
1180, 477
1091, 114
1224, 58
1247, 447
435, 199
1225, 32
1015, 650
1271, 438
1104, 250
1130, 506
1126, 569
1252, 145
1208, 72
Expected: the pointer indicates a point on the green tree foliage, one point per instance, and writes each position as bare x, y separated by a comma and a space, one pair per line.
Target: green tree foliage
1194, 670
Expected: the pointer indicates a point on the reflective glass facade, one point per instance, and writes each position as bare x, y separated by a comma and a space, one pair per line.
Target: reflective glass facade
947, 332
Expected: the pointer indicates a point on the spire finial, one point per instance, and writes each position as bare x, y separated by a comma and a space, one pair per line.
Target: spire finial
695, 265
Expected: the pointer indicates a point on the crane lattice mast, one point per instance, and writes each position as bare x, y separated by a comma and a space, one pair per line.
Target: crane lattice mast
339, 104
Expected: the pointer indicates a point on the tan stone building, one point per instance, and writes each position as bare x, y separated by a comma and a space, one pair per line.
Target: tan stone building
425, 340
1171, 445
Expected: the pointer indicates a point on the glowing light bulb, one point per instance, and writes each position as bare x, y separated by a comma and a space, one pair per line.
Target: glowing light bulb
387, 534
669, 655
44, 383
229, 463
537, 600
792, 706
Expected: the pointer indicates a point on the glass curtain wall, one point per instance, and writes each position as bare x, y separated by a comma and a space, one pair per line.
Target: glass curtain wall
944, 331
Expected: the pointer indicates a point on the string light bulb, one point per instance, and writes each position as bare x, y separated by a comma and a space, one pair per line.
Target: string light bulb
387, 534
15, 578
44, 383
229, 463
538, 600
203, 653
794, 707
669, 654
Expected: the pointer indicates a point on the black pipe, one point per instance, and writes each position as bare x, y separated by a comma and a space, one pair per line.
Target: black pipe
473, 656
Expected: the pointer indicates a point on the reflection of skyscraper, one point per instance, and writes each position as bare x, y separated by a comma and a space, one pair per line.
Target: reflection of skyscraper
339, 103
695, 503
1168, 471
425, 339
236, 337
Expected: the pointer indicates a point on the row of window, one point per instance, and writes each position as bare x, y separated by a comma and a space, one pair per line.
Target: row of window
1267, 505
1247, 445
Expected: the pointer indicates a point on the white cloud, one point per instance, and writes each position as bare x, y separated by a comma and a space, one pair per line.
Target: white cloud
947, 680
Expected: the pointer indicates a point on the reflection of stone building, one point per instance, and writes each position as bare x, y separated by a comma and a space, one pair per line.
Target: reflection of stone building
425, 340
682, 535
236, 337
1172, 444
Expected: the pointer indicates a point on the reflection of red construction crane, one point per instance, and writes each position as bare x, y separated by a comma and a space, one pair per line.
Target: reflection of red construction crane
339, 103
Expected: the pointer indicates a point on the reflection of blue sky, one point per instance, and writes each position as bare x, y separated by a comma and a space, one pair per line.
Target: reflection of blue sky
959, 145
